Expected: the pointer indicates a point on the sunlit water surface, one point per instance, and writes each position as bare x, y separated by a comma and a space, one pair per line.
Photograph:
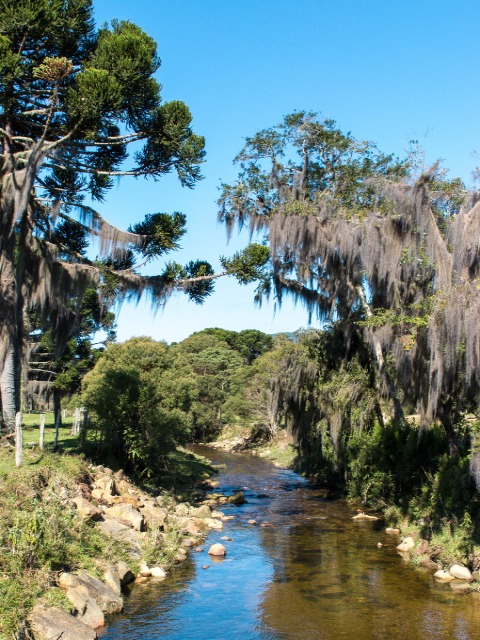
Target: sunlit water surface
314, 575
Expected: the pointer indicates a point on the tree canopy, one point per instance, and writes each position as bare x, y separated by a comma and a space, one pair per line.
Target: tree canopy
356, 235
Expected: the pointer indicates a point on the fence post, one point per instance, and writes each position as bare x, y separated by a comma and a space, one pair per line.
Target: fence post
42, 431
18, 439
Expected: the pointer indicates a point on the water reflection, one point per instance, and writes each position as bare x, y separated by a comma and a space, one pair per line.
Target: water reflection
315, 575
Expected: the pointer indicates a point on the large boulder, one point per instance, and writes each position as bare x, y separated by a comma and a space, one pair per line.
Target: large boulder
130, 539
126, 514
102, 594
93, 614
237, 498
55, 623
111, 578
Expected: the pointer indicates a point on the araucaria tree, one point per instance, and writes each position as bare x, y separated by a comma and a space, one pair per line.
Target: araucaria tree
73, 101
357, 236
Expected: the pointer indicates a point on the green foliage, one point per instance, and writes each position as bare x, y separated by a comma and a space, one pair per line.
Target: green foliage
249, 264
136, 409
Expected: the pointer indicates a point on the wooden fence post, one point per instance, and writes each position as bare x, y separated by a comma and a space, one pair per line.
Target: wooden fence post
42, 431
18, 439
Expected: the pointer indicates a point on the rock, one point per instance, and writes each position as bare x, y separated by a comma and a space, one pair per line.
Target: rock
226, 518
379, 545
198, 549
460, 572
459, 585
201, 512
407, 544
125, 574
154, 517
226, 539
144, 570
217, 525
104, 596
206, 566
217, 550
188, 543
102, 496
119, 475
266, 524
423, 548
252, 522
126, 514
111, 578
157, 572
86, 509
105, 483
364, 516
182, 509
130, 539
55, 623
443, 576
93, 615
217, 514
392, 530
78, 599
237, 498
191, 528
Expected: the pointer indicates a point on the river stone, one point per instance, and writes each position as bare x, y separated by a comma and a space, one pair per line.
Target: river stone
392, 530
459, 585
201, 512
407, 544
55, 623
217, 514
86, 509
217, 550
144, 570
157, 572
237, 498
104, 596
460, 572
127, 514
443, 576
217, 525
103, 496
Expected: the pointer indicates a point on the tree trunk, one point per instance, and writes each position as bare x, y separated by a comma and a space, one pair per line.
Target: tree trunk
8, 390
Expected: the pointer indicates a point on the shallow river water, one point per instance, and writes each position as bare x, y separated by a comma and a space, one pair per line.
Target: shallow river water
316, 574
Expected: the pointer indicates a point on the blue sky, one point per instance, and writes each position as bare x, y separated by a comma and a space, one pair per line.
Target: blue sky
388, 71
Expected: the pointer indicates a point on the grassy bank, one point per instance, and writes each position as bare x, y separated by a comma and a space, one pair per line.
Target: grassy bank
42, 533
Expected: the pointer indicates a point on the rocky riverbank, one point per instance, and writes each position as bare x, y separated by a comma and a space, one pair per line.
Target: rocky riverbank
153, 532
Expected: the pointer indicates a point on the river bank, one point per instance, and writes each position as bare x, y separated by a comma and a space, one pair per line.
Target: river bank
74, 535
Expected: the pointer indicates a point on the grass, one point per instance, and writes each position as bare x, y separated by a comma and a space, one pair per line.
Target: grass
40, 531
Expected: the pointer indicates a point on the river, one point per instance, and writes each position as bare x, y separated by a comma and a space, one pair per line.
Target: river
314, 574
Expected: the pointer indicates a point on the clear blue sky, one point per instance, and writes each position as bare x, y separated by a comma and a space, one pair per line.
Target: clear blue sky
387, 70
